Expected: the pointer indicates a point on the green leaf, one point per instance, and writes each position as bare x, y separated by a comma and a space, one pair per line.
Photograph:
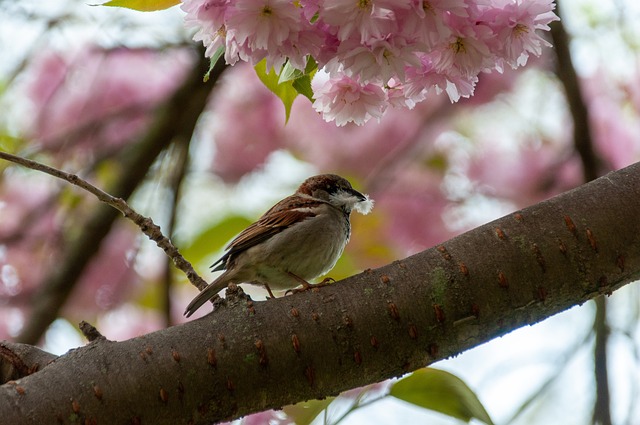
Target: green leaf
442, 392
9, 143
213, 238
212, 63
303, 86
312, 66
142, 5
289, 73
301, 81
285, 91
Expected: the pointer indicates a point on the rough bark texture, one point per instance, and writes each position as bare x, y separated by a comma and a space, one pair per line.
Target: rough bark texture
249, 356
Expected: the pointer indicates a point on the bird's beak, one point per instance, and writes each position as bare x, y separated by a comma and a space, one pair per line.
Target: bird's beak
360, 196
364, 204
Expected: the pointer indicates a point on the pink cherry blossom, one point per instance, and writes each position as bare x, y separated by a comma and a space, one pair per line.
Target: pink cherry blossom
367, 18
424, 20
206, 15
261, 27
425, 79
208, 18
515, 27
263, 24
378, 60
358, 150
466, 49
344, 100
377, 42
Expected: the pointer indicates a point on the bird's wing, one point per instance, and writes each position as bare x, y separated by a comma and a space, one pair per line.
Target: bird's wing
285, 213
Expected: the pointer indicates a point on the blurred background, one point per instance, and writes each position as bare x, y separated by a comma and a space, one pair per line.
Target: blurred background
86, 89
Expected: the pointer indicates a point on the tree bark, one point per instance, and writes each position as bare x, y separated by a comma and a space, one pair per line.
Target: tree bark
249, 356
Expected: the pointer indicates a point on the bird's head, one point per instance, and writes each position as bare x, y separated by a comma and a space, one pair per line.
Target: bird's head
337, 191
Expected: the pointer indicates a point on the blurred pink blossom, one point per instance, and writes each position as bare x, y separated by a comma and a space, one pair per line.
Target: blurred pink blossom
412, 205
248, 126
524, 174
29, 231
615, 127
95, 99
359, 150
32, 240
109, 278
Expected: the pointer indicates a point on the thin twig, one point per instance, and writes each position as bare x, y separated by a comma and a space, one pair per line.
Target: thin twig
145, 224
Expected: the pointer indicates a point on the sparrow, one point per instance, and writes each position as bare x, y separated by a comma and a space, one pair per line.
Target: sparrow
298, 239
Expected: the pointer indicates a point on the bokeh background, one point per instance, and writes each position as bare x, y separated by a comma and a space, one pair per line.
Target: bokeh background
81, 88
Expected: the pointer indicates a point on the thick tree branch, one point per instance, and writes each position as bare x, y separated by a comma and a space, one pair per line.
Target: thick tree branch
20, 360
175, 118
249, 356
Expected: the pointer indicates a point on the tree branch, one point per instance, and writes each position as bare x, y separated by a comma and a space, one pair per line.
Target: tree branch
249, 356
602, 405
20, 360
146, 224
569, 79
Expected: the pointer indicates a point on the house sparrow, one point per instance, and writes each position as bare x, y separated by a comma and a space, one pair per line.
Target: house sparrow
298, 239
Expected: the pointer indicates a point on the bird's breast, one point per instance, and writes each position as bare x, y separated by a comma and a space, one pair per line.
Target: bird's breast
312, 247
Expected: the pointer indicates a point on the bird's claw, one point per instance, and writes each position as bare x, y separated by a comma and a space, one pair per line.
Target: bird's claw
326, 281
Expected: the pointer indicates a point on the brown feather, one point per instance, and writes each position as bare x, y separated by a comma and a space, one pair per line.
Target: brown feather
270, 224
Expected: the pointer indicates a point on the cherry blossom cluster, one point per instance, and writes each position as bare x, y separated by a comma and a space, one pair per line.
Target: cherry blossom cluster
373, 54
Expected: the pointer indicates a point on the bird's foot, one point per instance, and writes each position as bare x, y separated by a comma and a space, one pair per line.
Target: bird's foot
306, 285
269, 291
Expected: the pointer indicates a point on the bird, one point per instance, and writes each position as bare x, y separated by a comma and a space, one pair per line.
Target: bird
298, 239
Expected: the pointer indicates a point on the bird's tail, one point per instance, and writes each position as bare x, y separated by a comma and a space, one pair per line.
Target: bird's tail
206, 294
